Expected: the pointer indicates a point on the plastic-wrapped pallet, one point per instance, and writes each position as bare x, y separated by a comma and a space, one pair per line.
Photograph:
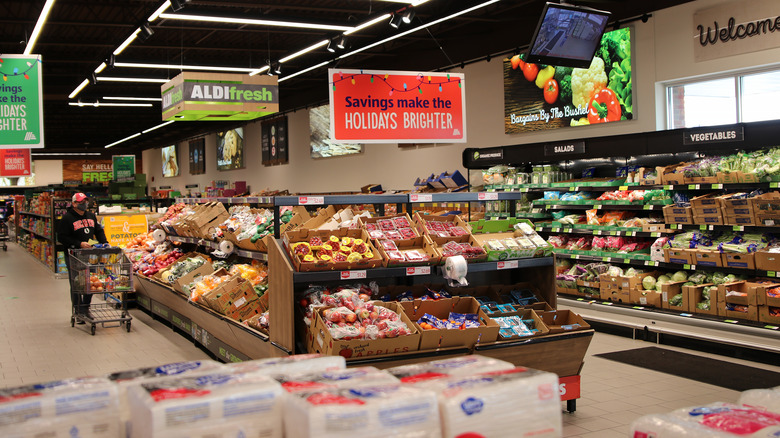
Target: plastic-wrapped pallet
85, 408
767, 399
125, 379
301, 363
519, 403
347, 378
459, 366
717, 420
369, 412
218, 404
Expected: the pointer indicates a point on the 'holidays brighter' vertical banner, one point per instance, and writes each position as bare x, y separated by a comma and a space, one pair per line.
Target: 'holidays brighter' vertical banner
397, 107
21, 102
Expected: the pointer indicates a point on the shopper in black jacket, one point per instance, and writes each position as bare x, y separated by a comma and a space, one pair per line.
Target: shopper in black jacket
76, 228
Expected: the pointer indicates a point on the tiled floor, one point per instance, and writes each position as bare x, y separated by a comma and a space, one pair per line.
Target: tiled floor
38, 344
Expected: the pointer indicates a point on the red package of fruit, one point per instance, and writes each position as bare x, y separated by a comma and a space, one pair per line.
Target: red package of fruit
376, 234
396, 255
407, 233
458, 231
371, 226
394, 235
359, 246
385, 224
301, 249
339, 314
315, 243
435, 226
415, 256
388, 245
339, 257
401, 222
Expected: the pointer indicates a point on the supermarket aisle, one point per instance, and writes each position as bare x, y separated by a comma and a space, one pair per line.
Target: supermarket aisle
38, 344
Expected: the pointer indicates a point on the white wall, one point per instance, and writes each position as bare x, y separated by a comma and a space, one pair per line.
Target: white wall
662, 51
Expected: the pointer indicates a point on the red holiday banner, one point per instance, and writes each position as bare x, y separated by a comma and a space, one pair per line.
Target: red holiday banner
15, 162
397, 107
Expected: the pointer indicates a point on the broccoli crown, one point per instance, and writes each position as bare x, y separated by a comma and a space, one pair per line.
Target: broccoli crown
564, 88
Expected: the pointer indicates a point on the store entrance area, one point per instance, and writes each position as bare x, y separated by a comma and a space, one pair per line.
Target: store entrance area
37, 344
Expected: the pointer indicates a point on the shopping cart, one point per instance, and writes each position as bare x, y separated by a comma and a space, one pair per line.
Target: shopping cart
4, 235
98, 271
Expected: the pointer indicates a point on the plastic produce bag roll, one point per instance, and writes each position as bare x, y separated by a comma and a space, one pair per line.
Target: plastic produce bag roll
85, 408
369, 412
207, 405
519, 403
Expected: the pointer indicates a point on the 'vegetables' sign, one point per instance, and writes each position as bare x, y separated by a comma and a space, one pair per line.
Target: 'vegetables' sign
21, 102
14, 162
397, 107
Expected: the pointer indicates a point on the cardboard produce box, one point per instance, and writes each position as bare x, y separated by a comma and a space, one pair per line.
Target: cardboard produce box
695, 296
716, 219
206, 218
248, 310
616, 295
422, 244
185, 280
678, 215
455, 220
323, 343
767, 261
706, 257
646, 298
769, 314
670, 290
560, 321
682, 256
739, 220
230, 295
304, 235
739, 260
486, 333
763, 298
749, 301
625, 283
526, 315
711, 200
709, 210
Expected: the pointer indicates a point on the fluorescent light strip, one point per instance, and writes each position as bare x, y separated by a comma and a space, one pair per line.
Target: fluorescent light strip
367, 24
101, 67
149, 99
235, 20
457, 14
159, 11
123, 140
432, 23
45, 154
259, 70
304, 51
78, 89
158, 126
39, 26
182, 67
127, 42
119, 79
99, 104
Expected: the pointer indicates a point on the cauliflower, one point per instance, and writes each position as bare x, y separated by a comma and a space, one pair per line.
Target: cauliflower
585, 83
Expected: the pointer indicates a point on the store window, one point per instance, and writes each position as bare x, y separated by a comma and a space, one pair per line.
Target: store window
742, 98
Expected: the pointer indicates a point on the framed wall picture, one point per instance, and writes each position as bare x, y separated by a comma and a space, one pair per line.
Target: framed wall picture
198, 156
321, 144
170, 161
274, 142
230, 149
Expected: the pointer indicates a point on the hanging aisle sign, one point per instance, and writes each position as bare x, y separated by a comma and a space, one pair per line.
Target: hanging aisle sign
193, 96
124, 168
15, 162
397, 107
21, 102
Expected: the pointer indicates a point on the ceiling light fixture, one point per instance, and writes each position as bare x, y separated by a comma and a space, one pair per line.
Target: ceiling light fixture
276, 68
157, 127
123, 140
101, 67
367, 24
145, 99
341, 42
127, 42
236, 20
38, 26
159, 11
182, 67
304, 51
258, 71
331, 46
120, 79
111, 60
177, 5
78, 89
146, 32
395, 21
408, 15
99, 104
93, 78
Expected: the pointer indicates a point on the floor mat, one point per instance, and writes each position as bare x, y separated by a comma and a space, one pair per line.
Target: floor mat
701, 369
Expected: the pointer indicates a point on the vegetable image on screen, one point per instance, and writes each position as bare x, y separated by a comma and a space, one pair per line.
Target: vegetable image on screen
539, 97
170, 162
321, 144
230, 149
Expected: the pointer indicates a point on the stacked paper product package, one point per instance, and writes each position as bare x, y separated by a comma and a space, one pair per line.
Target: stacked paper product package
757, 415
84, 407
489, 398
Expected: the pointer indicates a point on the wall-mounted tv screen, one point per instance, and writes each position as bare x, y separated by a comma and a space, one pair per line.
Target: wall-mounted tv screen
321, 144
567, 35
230, 149
170, 161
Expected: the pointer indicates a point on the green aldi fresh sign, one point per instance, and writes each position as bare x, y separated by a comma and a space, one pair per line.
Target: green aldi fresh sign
21, 102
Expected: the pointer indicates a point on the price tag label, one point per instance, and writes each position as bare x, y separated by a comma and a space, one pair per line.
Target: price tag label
580, 299
253, 200
606, 259
510, 264
597, 206
418, 270
703, 227
353, 275
638, 308
774, 185
626, 260
597, 232
668, 187
674, 227
771, 274
623, 188
567, 230
539, 228
694, 186
556, 230
572, 189
686, 267
771, 327
524, 190
738, 228
421, 198
686, 314
731, 321
655, 234
576, 256
717, 186
613, 233
647, 207
631, 233
607, 303
311, 200
482, 196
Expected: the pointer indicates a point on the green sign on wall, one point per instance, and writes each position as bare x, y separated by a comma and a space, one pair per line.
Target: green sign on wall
124, 168
21, 102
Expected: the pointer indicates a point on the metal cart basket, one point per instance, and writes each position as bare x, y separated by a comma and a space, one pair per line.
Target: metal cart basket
98, 271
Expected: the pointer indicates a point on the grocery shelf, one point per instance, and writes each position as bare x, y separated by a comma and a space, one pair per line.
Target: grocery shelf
43, 236
576, 187
696, 227
758, 336
599, 206
403, 271
604, 232
231, 200
255, 255
48, 266
29, 213
340, 199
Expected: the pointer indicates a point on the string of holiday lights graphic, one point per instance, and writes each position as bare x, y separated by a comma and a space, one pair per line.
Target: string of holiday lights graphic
16, 71
384, 78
